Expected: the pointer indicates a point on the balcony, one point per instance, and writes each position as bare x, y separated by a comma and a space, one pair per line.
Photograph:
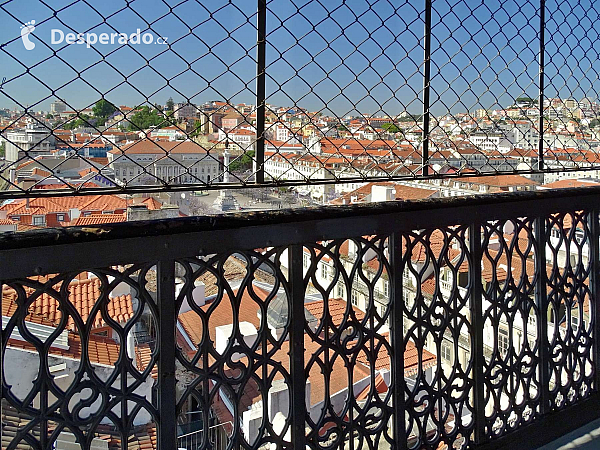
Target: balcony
211, 332
451, 322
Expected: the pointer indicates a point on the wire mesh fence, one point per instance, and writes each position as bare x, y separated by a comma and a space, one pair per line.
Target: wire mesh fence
131, 96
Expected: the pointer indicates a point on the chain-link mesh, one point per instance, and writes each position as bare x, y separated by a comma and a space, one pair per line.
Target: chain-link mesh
135, 96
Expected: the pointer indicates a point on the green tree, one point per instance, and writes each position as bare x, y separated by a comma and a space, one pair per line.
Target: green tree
243, 162
49, 116
82, 121
3, 149
390, 128
170, 104
102, 109
170, 117
594, 123
197, 129
410, 118
343, 128
145, 118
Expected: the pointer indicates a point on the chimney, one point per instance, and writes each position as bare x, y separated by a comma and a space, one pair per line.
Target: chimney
198, 297
383, 193
131, 345
223, 335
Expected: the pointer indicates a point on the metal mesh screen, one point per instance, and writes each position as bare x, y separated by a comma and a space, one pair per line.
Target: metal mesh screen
162, 95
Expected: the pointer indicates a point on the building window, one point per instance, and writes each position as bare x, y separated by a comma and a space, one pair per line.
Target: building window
324, 271
406, 298
444, 275
407, 278
354, 297
574, 321
503, 341
446, 352
305, 260
16, 218
60, 217
386, 288
38, 220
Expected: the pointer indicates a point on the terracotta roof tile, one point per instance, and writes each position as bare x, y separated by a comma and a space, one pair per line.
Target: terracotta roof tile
83, 294
98, 219
150, 146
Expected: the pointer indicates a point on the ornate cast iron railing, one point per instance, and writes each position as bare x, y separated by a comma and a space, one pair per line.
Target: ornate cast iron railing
244, 331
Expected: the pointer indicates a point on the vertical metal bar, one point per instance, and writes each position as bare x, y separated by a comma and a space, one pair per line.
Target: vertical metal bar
594, 258
167, 431
261, 44
397, 335
297, 374
541, 84
477, 326
426, 84
2, 350
541, 297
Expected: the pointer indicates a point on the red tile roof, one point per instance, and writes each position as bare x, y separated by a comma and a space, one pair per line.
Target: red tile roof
100, 349
337, 309
148, 146
98, 219
83, 295
561, 184
43, 206
401, 192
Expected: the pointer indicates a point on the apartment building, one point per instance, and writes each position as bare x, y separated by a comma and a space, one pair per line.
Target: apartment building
26, 143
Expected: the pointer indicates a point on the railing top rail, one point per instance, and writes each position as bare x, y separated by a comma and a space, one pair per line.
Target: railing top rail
52, 250
485, 204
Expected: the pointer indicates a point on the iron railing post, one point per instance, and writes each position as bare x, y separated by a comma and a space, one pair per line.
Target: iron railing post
426, 84
541, 84
477, 323
594, 256
261, 43
297, 372
541, 297
397, 336
167, 409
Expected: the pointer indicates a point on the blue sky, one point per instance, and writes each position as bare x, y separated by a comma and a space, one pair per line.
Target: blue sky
357, 54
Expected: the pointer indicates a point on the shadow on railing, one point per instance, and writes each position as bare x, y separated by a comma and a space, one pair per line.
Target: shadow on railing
473, 325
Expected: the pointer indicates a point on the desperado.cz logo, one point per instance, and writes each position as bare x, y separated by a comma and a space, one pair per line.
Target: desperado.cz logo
58, 36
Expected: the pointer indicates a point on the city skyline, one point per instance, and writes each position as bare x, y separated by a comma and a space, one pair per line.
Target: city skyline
353, 61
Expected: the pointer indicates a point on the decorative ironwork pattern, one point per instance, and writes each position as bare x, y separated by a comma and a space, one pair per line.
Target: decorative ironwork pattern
79, 358
235, 372
569, 316
296, 93
357, 327
511, 369
436, 274
347, 344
